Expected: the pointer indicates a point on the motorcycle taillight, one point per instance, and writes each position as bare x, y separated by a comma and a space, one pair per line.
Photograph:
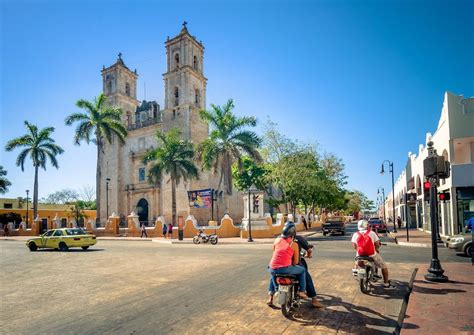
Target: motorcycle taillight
283, 281
361, 263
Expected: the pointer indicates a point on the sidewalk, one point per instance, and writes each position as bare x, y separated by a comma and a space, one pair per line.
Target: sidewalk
417, 238
442, 308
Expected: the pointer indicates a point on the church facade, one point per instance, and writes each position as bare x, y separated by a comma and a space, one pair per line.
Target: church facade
125, 187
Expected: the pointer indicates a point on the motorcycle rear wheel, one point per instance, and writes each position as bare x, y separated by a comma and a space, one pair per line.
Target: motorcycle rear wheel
286, 307
213, 240
196, 240
364, 281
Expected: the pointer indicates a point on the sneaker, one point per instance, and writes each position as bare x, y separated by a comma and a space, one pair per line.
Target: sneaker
388, 285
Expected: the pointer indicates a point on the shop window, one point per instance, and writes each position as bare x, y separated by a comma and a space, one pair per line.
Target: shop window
7, 205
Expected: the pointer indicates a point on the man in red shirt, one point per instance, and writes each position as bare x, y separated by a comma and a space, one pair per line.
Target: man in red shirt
357, 239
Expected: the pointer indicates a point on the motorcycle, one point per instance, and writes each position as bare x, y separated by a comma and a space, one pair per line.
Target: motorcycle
287, 293
366, 273
204, 238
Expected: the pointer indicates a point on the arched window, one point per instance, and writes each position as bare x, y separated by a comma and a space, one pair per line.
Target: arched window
127, 89
176, 96
196, 97
195, 63
176, 60
109, 87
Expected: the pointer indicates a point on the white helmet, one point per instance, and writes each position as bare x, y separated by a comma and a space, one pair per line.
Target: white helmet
362, 224
291, 218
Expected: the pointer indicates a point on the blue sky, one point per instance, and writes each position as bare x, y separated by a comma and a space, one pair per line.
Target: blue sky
364, 79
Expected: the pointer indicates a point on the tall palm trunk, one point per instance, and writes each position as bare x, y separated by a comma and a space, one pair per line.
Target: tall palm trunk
98, 177
35, 194
227, 174
173, 201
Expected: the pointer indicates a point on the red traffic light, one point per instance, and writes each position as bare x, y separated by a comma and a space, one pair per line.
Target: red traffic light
426, 185
445, 196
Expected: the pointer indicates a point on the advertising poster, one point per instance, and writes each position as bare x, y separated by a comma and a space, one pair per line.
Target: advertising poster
200, 198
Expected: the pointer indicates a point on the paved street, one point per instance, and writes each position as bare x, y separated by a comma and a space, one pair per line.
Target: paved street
140, 287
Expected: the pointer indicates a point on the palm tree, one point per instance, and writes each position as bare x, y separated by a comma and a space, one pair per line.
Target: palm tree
40, 147
173, 157
99, 123
228, 141
4, 182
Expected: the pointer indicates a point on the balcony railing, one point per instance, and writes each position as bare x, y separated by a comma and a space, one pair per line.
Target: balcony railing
146, 123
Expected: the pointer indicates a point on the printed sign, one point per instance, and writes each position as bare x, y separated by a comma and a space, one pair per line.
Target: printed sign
200, 198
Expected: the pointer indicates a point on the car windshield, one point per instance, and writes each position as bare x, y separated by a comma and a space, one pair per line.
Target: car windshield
75, 231
334, 219
375, 222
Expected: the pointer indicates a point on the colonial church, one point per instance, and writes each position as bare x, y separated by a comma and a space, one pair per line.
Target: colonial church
125, 186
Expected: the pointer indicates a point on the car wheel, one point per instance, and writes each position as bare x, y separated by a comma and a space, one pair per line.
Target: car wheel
85, 247
468, 250
324, 234
63, 246
32, 246
343, 233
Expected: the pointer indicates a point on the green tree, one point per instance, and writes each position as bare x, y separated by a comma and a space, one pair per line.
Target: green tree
249, 173
63, 196
4, 182
228, 141
77, 211
357, 201
98, 124
39, 145
173, 157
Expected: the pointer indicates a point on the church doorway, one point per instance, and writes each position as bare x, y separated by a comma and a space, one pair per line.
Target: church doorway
142, 211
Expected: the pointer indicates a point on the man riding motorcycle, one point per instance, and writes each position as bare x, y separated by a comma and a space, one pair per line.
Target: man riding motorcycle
359, 238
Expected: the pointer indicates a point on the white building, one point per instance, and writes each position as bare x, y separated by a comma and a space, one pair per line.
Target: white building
453, 139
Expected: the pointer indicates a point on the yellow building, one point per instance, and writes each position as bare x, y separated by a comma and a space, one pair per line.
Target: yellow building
47, 213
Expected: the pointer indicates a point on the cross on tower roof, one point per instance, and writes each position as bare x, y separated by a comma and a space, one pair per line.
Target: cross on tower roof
184, 24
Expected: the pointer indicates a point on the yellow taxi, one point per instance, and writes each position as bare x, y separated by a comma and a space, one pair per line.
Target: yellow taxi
62, 239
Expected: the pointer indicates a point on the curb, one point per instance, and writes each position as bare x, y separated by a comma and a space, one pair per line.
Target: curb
220, 242
401, 315
420, 245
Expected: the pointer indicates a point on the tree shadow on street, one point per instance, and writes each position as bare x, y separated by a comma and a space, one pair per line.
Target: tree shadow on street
344, 316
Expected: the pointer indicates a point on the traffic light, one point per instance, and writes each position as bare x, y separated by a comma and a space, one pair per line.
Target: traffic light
445, 196
426, 190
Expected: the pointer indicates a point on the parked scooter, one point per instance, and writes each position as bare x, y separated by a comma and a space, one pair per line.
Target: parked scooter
201, 237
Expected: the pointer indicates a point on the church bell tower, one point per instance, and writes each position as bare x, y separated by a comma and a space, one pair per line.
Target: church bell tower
185, 86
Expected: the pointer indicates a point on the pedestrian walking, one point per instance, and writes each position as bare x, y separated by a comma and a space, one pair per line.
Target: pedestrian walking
309, 221
164, 230
399, 222
144, 231
170, 230
6, 230
305, 224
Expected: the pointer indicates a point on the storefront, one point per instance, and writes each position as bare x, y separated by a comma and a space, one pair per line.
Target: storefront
465, 206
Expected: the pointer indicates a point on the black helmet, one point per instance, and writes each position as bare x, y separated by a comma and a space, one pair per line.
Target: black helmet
289, 230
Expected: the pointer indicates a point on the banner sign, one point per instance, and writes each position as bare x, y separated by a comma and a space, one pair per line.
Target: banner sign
200, 198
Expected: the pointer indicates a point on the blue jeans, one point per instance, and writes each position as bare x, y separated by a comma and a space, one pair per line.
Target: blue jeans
310, 289
296, 270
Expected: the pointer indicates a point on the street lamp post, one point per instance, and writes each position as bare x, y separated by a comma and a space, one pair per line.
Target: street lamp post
251, 190
390, 165
107, 180
383, 200
27, 192
435, 272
